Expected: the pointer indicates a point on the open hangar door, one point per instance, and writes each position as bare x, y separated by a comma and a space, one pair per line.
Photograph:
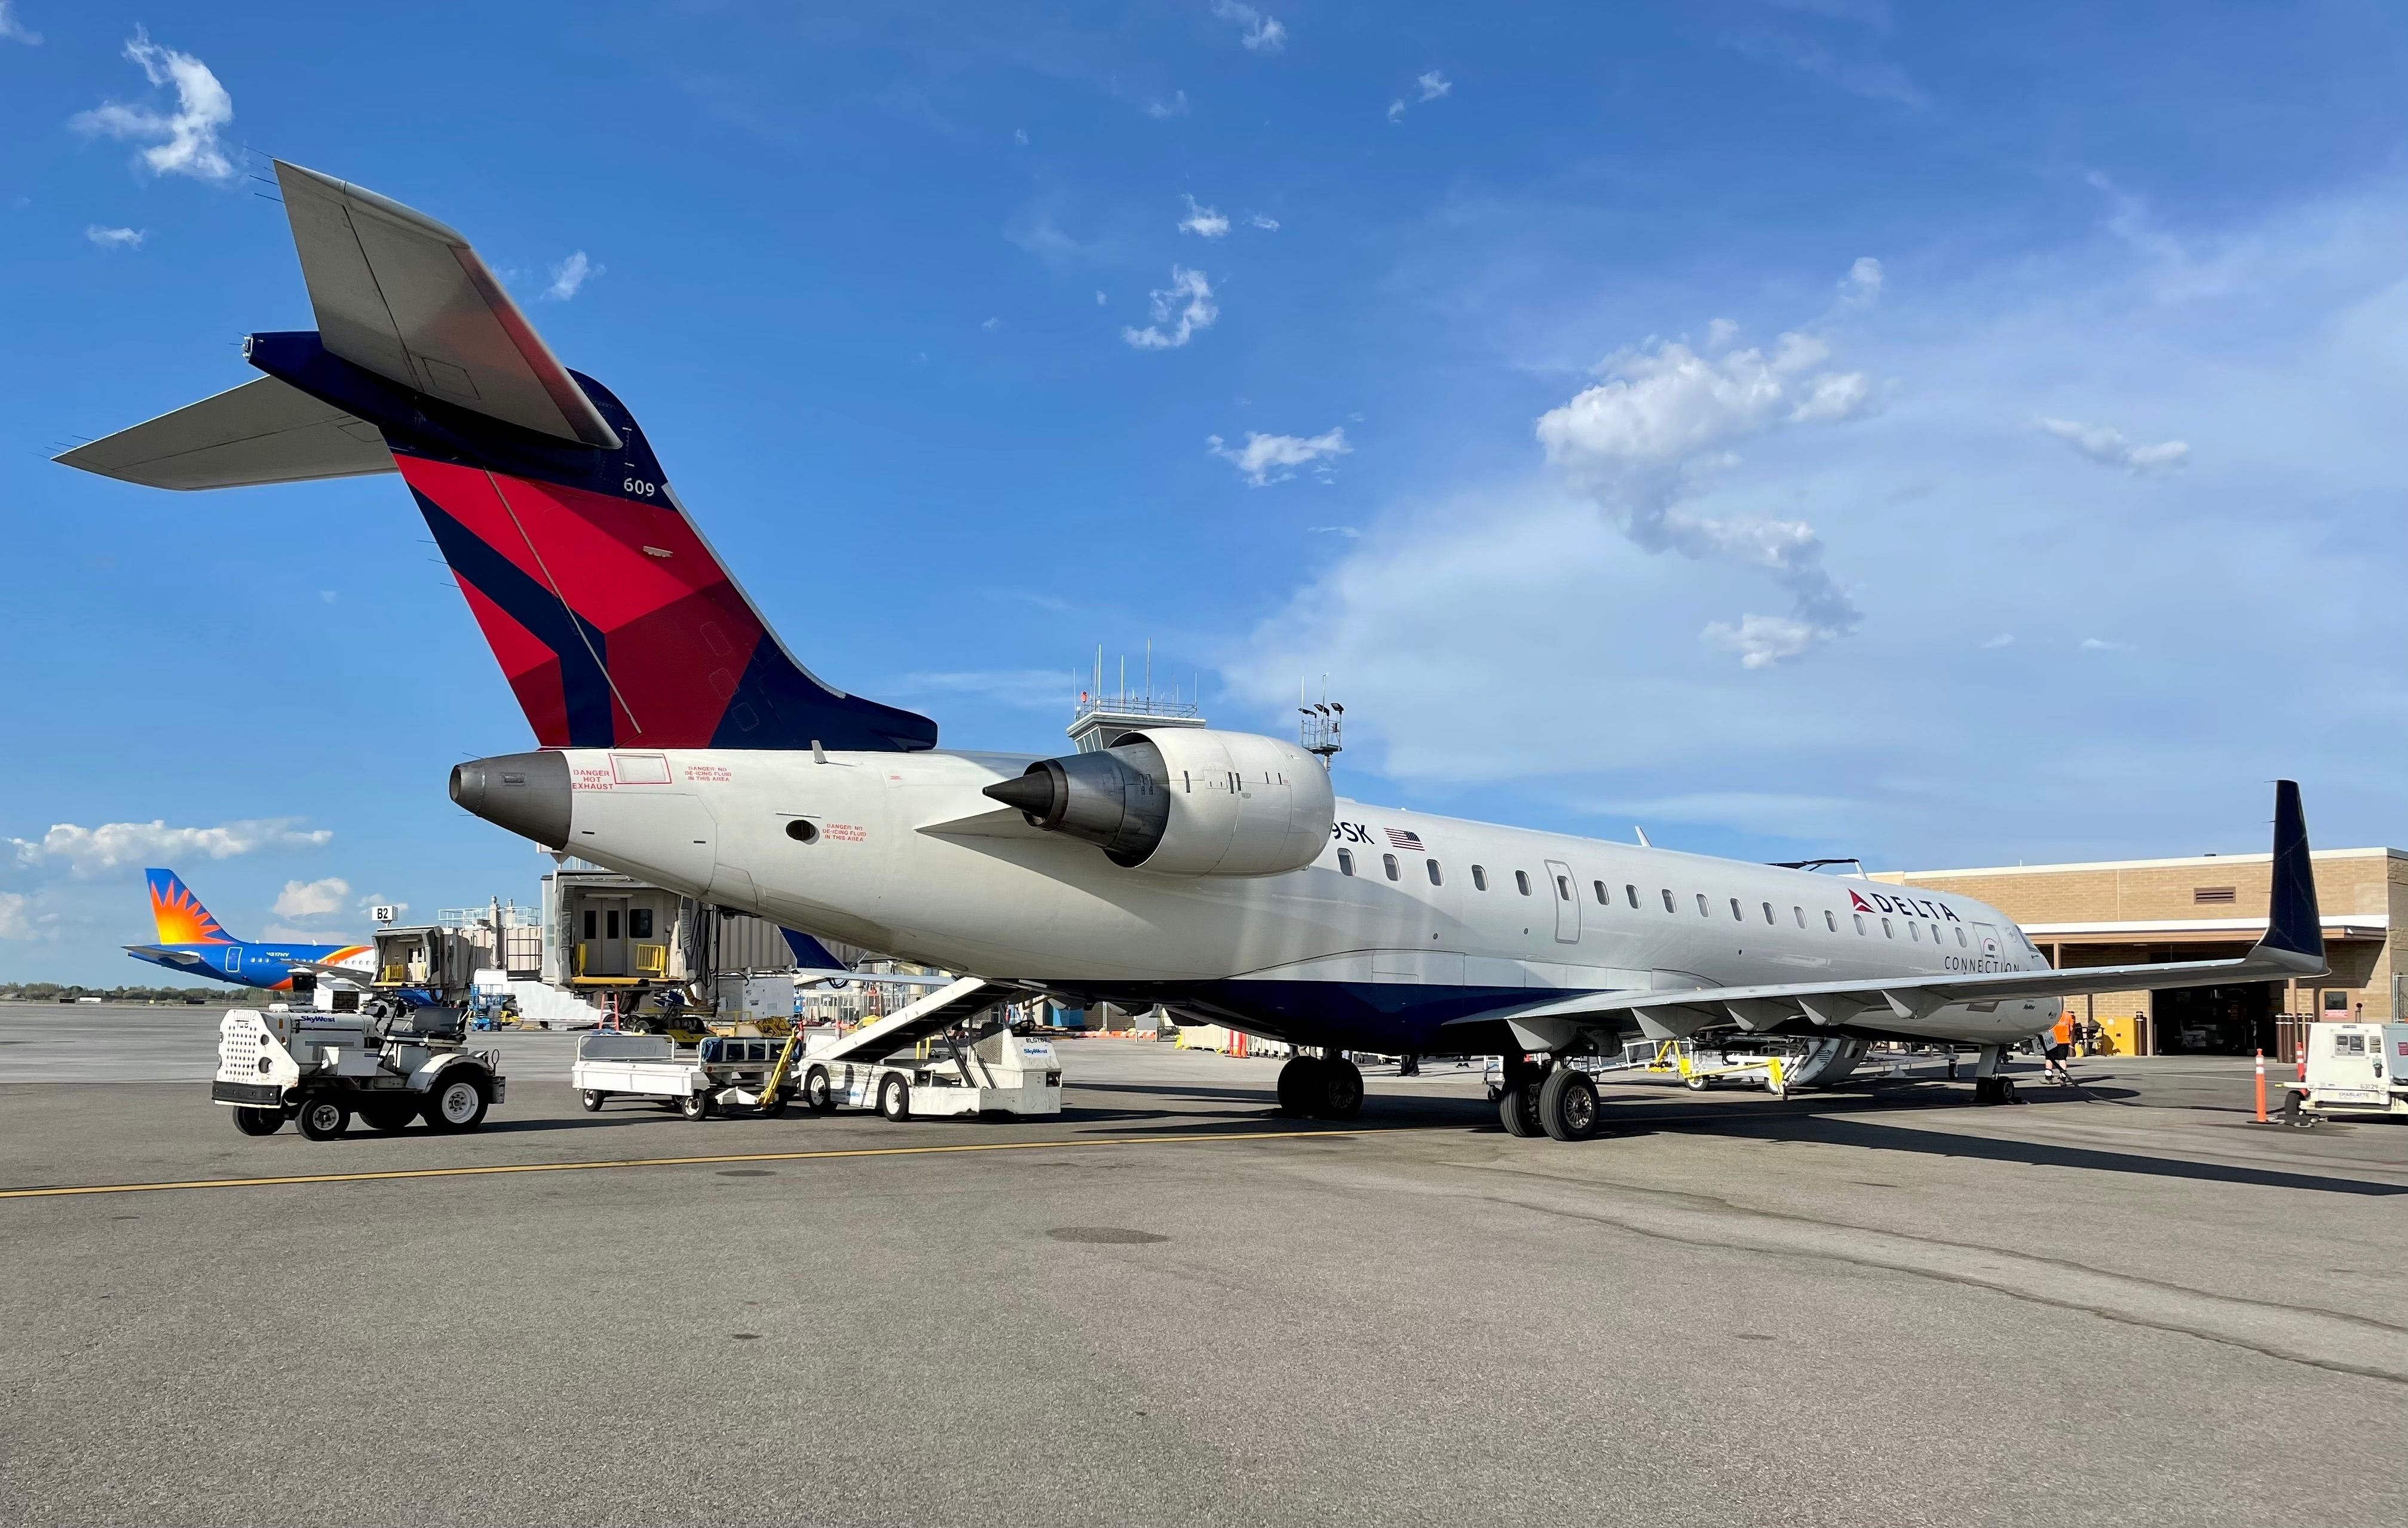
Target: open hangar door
2216, 1020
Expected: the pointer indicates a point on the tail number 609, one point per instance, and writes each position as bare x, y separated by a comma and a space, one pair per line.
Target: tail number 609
640, 487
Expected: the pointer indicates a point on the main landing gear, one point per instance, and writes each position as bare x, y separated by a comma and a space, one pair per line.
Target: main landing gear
1991, 1085
1321, 1088
1556, 1099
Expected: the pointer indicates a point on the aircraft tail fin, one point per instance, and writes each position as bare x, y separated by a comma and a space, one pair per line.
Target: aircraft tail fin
615, 623
178, 914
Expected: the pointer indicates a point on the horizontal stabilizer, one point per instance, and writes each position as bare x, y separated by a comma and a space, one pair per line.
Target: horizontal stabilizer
403, 296
262, 432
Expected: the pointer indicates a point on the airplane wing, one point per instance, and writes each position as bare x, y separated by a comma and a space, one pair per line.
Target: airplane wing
874, 979
183, 958
326, 971
406, 297
2293, 947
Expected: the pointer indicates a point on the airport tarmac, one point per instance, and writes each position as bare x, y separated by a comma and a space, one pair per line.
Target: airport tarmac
1172, 1305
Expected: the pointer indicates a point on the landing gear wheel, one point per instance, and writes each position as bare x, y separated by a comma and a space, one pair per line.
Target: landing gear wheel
1340, 1092
1517, 1107
592, 1099
268, 1121
894, 1099
1299, 1084
1995, 1090
322, 1118
457, 1104
1567, 1104
819, 1096
1697, 1084
694, 1106
388, 1115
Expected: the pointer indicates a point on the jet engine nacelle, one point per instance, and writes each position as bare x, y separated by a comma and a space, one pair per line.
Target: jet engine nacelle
1184, 800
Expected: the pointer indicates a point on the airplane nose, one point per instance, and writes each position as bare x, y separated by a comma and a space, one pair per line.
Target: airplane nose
525, 793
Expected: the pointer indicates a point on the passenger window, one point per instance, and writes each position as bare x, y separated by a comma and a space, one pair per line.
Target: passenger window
1935, 934
589, 922
1887, 932
1602, 899
1960, 938
1702, 906
1522, 879
1563, 888
639, 923
1768, 912
1830, 921
1632, 892
1390, 862
1346, 862
1802, 916
1433, 872
1860, 920
1667, 900
1478, 878
610, 924
1914, 931
1736, 913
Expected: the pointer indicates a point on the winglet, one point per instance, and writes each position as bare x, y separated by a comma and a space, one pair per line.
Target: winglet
2295, 935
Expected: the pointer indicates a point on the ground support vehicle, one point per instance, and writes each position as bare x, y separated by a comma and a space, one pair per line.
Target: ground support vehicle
2351, 1069
914, 1062
387, 1064
698, 1073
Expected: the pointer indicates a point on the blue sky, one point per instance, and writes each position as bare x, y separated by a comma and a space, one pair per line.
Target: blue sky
1947, 434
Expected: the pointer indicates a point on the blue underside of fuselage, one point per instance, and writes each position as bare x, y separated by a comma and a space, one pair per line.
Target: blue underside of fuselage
1387, 1016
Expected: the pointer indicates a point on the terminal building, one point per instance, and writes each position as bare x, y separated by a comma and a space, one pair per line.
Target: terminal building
2137, 912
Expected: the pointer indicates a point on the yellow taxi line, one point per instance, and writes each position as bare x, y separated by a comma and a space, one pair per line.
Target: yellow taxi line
495, 1169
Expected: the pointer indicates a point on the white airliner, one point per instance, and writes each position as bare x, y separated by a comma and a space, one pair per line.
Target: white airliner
1214, 872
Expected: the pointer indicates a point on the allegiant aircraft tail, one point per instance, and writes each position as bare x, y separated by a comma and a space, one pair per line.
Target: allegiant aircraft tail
178, 914
614, 622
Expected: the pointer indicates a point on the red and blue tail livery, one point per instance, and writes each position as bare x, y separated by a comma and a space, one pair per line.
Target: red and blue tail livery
193, 941
614, 621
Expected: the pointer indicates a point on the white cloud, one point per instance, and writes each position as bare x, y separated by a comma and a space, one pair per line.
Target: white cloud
114, 844
1100, 299
1651, 439
1720, 333
569, 277
1426, 87
115, 238
1202, 221
1028, 689
13, 30
1267, 224
1264, 459
2109, 448
2101, 644
183, 141
1263, 34
1159, 108
2004, 639
15, 921
313, 898
991, 326
1020, 136
1863, 282
1185, 307
1350, 532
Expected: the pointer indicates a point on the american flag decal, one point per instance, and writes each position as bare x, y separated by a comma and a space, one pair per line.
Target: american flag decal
1399, 838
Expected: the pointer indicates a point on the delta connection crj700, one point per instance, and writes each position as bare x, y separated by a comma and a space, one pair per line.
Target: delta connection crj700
1211, 871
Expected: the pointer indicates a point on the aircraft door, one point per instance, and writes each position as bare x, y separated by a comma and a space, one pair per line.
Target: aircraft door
233, 959
1987, 938
1565, 888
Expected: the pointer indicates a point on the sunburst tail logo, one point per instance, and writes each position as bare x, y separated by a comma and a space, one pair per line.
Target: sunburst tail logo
178, 915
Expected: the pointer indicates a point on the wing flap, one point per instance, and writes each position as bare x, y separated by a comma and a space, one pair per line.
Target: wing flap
406, 297
262, 432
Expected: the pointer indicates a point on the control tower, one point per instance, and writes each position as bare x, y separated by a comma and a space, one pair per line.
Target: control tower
1099, 718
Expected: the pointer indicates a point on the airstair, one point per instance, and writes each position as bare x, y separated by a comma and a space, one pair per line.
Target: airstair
908, 1026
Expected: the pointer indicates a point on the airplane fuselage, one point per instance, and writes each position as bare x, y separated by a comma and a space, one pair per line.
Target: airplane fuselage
268, 966
1404, 923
